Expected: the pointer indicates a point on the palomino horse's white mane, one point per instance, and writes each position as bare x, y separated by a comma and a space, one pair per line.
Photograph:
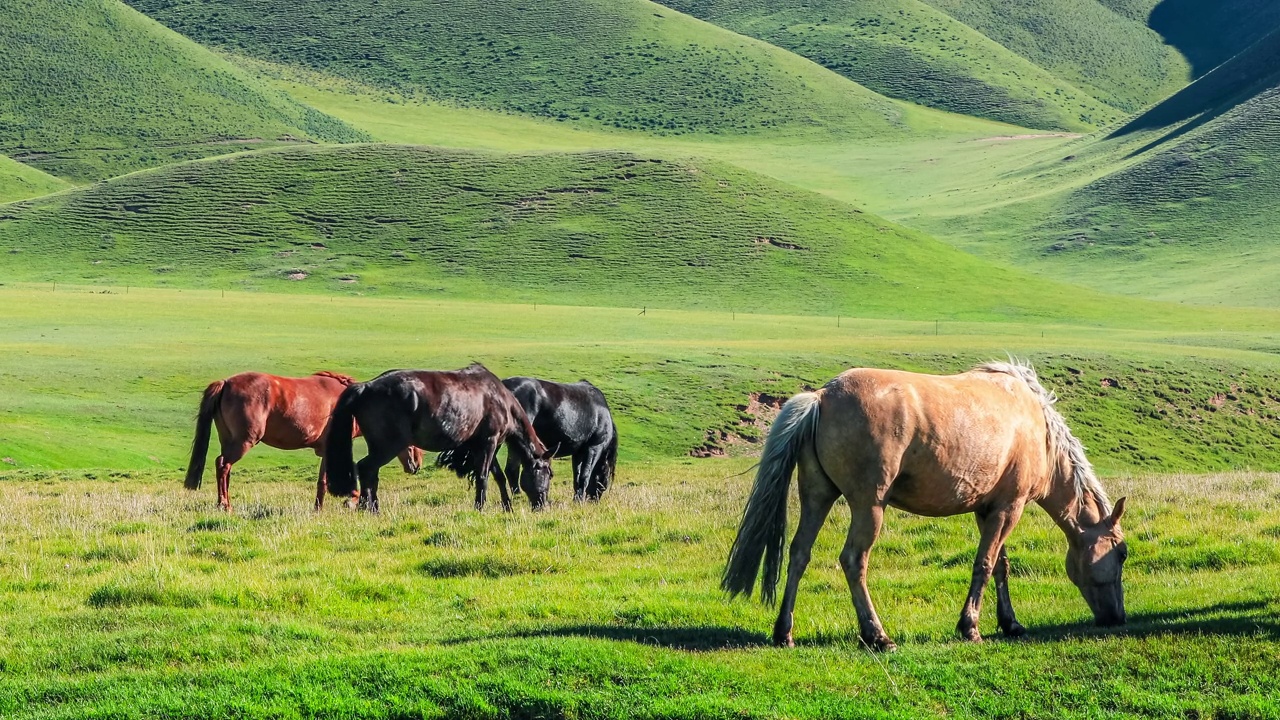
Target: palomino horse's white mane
1061, 441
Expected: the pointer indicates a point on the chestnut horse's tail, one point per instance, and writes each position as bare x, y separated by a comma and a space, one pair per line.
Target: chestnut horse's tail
204, 424
338, 459
764, 522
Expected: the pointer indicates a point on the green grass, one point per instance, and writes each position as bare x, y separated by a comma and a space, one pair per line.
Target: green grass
19, 182
91, 89
602, 228
128, 597
110, 378
909, 50
627, 63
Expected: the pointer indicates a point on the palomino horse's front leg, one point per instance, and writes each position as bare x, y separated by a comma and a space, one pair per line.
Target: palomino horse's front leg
817, 495
864, 528
995, 527
1004, 606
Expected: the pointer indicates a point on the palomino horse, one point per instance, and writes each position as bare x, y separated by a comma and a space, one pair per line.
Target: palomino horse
574, 419
283, 412
464, 414
985, 442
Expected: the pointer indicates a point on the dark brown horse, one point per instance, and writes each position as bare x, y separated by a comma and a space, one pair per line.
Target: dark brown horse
463, 414
283, 412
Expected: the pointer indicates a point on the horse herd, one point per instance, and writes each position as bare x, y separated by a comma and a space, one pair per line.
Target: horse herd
465, 415
987, 442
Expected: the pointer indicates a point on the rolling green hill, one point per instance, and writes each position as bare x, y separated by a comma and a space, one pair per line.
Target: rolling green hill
19, 182
91, 88
1104, 48
605, 228
907, 49
614, 63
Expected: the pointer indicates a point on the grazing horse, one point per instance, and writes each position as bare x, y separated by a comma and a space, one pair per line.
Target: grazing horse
573, 419
986, 442
283, 412
463, 414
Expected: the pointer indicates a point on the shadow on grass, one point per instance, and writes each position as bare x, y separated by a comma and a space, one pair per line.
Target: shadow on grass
1253, 618
693, 639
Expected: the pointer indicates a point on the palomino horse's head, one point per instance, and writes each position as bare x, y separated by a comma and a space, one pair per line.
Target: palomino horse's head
411, 459
1095, 562
537, 482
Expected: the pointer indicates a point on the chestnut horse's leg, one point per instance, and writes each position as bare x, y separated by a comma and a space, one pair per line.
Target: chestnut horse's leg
322, 484
817, 495
230, 456
1004, 607
995, 527
867, 516
496, 468
513, 470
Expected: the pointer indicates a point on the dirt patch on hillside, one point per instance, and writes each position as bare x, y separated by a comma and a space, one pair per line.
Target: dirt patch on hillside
1028, 136
746, 435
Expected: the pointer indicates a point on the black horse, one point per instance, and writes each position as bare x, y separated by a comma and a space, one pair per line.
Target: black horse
463, 414
574, 420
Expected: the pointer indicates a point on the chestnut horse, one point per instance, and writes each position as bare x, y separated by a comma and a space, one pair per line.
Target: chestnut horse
283, 412
986, 442
463, 414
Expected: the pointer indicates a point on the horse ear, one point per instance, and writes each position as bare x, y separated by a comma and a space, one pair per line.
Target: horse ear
1117, 512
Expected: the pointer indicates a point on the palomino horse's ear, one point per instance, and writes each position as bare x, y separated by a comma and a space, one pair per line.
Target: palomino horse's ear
1117, 512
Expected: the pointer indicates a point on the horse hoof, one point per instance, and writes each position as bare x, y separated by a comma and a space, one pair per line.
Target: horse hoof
784, 642
1014, 631
882, 644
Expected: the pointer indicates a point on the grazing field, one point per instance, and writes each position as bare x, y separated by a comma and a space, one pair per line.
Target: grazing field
127, 596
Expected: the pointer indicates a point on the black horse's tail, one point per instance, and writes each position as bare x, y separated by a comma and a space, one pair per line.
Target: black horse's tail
606, 469
209, 405
338, 460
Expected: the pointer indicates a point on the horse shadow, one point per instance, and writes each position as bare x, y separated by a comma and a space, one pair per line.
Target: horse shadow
696, 638
1252, 618
1243, 618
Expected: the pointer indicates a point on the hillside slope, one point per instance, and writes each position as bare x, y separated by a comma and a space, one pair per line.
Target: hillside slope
614, 63
19, 182
588, 228
91, 88
1111, 54
907, 49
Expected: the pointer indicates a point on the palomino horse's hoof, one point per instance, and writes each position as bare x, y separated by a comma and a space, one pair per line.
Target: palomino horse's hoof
881, 644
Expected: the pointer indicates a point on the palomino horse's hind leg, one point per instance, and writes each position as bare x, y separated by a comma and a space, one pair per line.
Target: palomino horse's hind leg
867, 516
995, 527
817, 495
1004, 606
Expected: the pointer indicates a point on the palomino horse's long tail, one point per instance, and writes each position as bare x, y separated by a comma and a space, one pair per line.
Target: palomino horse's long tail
338, 459
764, 522
204, 424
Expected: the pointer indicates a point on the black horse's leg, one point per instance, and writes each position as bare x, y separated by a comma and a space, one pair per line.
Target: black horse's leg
580, 469
591, 466
367, 469
513, 471
483, 458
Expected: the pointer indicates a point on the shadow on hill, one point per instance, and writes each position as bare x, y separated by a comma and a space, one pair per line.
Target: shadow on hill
698, 638
1210, 32
1225, 87
1254, 618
